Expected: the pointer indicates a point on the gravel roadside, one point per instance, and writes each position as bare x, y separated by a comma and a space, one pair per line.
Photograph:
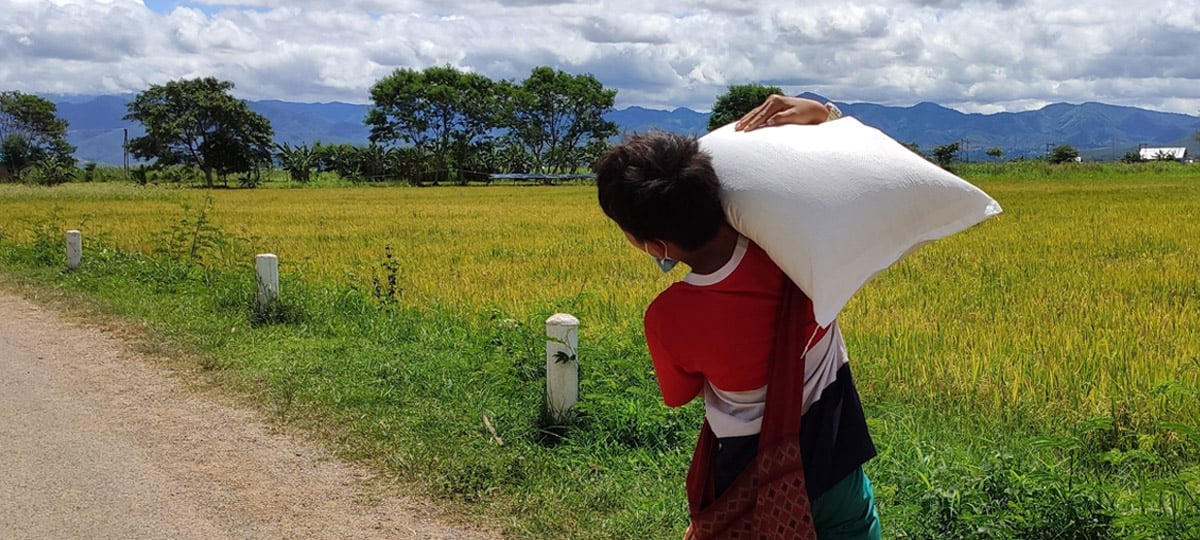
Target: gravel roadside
97, 442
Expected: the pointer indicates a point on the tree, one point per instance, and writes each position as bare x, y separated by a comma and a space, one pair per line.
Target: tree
510, 156
52, 171
944, 155
446, 113
1063, 153
299, 161
1163, 155
558, 118
995, 153
17, 154
335, 158
198, 122
31, 131
1132, 157
738, 100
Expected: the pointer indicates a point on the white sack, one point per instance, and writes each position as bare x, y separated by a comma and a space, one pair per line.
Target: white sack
837, 203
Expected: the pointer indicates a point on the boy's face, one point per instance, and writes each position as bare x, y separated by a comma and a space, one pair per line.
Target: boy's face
655, 248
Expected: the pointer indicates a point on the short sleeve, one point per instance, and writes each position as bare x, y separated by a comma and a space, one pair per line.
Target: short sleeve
678, 385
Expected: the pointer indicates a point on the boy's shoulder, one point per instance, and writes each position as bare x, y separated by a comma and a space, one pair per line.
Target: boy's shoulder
674, 298
749, 275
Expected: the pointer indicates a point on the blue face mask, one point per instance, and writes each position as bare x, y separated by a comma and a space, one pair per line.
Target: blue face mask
664, 264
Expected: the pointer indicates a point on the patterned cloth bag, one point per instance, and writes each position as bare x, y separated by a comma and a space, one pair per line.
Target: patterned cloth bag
769, 499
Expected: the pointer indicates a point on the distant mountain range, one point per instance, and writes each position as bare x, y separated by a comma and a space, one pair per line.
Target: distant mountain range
1098, 130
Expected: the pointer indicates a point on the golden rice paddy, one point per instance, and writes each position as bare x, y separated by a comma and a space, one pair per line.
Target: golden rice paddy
1081, 295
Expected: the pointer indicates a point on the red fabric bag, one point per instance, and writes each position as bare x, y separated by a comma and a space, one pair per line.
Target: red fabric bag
769, 499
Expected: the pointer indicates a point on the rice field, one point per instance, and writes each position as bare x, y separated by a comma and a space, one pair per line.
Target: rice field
1084, 293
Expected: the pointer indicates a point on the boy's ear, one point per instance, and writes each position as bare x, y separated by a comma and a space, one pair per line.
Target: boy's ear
633, 239
656, 248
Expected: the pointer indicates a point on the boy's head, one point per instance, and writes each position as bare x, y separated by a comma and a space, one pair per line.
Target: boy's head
661, 186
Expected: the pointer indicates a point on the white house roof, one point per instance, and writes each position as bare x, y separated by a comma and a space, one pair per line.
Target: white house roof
1151, 154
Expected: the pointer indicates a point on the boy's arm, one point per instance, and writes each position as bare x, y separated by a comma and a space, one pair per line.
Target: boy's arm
678, 387
778, 110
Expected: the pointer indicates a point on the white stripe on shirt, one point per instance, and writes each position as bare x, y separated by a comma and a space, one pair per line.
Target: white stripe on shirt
734, 414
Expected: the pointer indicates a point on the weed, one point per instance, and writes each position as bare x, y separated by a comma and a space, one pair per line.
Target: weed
194, 236
385, 280
552, 428
46, 247
1001, 500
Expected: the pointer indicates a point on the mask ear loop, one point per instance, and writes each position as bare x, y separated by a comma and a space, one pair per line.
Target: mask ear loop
666, 251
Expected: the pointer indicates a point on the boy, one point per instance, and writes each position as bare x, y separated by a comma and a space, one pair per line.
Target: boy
712, 333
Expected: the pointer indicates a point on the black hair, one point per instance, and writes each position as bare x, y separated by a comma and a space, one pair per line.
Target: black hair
660, 186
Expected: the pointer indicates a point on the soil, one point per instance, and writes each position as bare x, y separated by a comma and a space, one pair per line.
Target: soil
101, 441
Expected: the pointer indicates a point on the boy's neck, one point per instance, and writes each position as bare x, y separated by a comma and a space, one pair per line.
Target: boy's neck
713, 255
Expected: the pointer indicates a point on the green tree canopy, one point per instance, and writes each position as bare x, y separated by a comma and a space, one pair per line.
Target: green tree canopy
466, 123
299, 161
738, 100
1063, 153
1132, 156
558, 118
995, 152
944, 154
443, 112
31, 131
198, 122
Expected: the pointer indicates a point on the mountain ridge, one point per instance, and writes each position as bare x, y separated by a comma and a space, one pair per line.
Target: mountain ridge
1098, 130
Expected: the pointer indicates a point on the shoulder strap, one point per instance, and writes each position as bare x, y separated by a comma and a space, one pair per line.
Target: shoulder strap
795, 332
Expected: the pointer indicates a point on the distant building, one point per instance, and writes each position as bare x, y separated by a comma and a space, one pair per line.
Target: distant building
1154, 154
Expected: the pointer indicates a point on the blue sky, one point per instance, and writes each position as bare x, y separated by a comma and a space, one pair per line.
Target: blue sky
975, 56
167, 6
162, 6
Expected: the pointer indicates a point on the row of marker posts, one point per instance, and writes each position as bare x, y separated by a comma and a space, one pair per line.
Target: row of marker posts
562, 330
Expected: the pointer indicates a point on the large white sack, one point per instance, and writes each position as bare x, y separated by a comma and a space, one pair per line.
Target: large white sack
837, 203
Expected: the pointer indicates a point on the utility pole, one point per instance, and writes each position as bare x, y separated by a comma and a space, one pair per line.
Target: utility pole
125, 147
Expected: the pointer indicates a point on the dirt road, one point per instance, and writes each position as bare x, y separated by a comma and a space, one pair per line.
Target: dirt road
96, 442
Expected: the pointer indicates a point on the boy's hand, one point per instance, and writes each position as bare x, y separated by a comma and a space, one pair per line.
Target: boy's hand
778, 110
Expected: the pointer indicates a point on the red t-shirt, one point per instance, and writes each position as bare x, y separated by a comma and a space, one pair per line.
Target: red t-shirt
718, 327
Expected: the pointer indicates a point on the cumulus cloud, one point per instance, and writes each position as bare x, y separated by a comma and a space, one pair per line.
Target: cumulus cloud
978, 56
627, 29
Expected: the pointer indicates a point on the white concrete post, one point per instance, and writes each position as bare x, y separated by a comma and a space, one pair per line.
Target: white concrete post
74, 249
562, 364
267, 266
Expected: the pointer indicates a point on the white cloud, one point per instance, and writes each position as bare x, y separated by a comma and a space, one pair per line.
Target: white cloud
974, 55
627, 29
